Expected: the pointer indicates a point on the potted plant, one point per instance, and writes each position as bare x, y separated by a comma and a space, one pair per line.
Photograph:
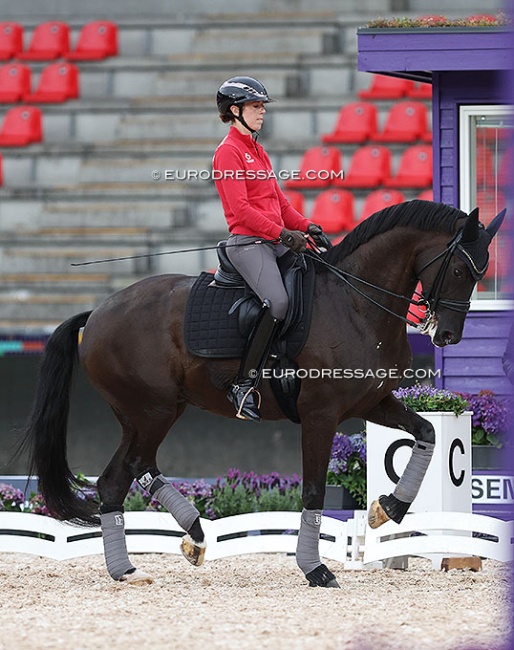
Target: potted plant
489, 427
447, 483
346, 476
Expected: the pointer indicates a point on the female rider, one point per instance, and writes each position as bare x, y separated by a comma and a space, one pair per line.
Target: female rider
263, 226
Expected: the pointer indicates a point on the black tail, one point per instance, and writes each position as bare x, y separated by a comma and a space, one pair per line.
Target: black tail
45, 437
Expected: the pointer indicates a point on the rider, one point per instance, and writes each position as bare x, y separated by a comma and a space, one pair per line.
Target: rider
263, 226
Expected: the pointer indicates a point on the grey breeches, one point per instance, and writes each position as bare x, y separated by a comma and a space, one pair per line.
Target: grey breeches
257, 263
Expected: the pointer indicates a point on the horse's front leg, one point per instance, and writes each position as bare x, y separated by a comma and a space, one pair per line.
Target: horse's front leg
317, 437
392, 413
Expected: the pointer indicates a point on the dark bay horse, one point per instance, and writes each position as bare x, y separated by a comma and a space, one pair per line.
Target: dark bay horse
133, 353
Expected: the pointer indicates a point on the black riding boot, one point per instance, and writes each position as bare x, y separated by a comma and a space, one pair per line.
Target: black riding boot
243, 393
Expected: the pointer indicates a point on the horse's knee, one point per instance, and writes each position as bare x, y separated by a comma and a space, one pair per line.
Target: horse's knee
426, 433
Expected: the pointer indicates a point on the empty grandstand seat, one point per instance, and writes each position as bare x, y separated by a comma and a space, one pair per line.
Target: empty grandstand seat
57, 83
356, 122
421, 90
370, 166
414, 169
96, 40
378, 200
333, 210
417, 313
296, 199
21, 126
385, 87
318, 167
49, 40
405, 122
11, 40
506, 168
14, 82
426, 195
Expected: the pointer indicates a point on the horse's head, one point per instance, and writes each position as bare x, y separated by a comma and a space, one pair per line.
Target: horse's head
449, 277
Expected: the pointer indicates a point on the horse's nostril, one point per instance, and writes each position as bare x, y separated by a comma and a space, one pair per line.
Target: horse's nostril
447, 337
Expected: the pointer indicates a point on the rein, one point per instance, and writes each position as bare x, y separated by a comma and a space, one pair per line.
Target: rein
429, 300
344, 275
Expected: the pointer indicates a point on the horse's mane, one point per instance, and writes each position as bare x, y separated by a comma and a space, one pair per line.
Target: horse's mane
424, 215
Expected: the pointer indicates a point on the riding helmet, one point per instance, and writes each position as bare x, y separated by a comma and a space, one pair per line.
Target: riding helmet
238, 90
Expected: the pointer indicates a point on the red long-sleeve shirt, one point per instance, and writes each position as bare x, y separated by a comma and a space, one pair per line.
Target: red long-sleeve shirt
252, 200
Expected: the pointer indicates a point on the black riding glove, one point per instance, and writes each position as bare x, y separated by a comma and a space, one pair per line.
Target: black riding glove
319, 237
293, 239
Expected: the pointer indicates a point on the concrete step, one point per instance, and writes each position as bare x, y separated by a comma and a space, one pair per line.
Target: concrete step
23, 305
93, 283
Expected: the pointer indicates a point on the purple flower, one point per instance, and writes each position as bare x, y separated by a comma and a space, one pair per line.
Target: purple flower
11, 499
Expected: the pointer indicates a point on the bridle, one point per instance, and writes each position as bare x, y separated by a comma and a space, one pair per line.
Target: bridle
430, 299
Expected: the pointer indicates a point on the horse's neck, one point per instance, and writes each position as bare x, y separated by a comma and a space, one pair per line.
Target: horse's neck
386, 261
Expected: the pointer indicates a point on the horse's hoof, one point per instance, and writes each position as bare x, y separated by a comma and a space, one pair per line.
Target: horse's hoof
322, 577
376, 515
137, 578
194, 552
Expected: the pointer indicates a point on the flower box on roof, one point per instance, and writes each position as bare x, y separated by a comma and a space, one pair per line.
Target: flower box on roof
422, 50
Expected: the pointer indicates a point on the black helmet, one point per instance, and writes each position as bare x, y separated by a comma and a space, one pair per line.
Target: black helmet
237, 91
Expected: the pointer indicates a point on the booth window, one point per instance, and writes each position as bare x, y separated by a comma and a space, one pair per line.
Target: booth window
486, 158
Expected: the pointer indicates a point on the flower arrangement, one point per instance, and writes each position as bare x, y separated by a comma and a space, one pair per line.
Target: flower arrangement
347, 465
490, 420
428, 398
483, 20
235, 493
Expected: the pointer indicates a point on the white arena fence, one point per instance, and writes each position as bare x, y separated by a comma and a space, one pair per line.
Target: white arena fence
350, 542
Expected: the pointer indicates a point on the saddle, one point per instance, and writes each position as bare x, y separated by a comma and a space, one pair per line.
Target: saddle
222, 310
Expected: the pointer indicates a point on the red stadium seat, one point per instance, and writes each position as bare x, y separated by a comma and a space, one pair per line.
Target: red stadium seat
296, 199
417, 313
426, 195
405, 122
97, 40
333, 211
355, 123
49, 40
378, 200
370, 166
14, 82
318, 167
421, 91
415, 168
506, 168
21, 126
11, 40
57, 83
385, 87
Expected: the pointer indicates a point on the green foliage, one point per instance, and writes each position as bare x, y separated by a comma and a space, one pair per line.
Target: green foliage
428, 398
484, 20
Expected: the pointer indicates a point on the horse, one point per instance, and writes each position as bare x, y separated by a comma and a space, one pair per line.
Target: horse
133, 353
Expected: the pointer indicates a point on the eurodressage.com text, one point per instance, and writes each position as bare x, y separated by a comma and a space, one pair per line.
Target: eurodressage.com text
349, 373
246, 174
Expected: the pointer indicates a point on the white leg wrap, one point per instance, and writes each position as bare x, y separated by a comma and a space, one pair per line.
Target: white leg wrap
413, 475
184, 511
115, 547
307, 549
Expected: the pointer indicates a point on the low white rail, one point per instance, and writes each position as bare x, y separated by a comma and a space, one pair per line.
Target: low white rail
441, 533
351, 542
154, 532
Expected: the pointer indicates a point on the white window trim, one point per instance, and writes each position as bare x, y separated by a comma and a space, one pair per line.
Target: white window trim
465, 114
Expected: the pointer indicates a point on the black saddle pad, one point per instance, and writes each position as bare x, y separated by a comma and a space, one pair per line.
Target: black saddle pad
210, 331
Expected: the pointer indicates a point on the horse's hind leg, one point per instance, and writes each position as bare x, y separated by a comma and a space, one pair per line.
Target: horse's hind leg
393, 413
136, 458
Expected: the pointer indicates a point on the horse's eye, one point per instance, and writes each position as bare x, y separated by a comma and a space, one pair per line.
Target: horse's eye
457, 273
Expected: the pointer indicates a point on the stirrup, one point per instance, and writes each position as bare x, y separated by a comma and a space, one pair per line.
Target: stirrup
245, 408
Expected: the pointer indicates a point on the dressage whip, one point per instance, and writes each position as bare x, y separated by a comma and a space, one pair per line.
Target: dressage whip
186, 250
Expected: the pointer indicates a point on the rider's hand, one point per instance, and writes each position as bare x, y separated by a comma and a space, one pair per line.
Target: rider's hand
319, 237
293, 239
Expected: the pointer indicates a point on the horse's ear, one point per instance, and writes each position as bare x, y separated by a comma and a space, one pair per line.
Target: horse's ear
495, 224
470, 230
